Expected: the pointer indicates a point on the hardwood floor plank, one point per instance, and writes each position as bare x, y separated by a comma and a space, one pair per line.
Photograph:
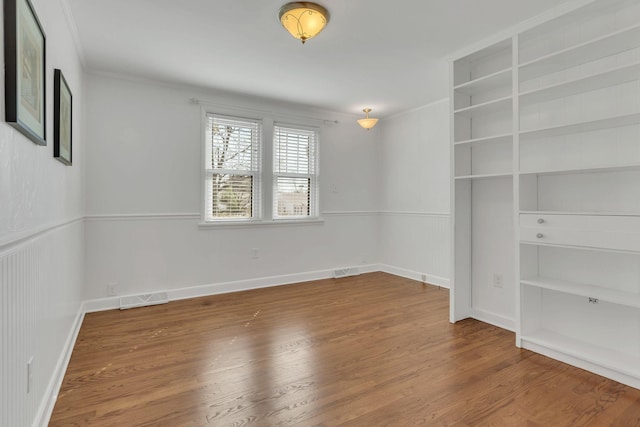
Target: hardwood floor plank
371, 350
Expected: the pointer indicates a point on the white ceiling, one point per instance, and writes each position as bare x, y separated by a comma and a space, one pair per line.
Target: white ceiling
387, 55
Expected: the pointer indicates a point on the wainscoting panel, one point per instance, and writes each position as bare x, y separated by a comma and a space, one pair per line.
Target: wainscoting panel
40, 298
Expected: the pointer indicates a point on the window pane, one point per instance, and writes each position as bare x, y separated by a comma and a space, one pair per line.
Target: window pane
231, 196
293, 153
233, 144
293, 196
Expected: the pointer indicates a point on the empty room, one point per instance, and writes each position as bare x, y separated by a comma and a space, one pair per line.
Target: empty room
332, 213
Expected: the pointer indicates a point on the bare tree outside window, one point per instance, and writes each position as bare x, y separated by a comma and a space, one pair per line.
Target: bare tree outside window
232, 153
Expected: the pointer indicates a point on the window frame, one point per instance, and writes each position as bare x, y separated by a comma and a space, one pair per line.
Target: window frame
264, 196
255, 172
312, 176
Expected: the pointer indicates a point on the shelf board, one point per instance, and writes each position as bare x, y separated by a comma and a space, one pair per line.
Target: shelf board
608, 78
583, 248
589, 126
607, 358
585, 290
484, 176
580, 213
617, 168
488, 83
610, 44
506, 137
501, 104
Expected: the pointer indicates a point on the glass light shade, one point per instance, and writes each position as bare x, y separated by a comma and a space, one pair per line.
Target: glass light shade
367, 122
304, 20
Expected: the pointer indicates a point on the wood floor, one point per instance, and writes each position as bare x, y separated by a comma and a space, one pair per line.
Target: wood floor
372, 350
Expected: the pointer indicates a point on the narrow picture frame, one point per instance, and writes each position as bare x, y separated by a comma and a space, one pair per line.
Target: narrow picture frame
25, 70
62, 118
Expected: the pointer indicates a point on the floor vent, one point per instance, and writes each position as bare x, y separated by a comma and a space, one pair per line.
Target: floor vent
134, 301
345, 272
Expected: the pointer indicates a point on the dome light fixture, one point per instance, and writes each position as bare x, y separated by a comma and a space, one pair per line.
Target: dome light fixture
367, 122
304, 20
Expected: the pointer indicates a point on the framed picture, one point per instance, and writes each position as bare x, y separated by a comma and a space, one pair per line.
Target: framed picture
24, 57
62, 118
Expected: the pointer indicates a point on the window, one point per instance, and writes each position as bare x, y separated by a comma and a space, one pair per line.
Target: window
232, 168
295, 172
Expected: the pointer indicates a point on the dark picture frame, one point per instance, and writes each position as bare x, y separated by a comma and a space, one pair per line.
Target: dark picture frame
25, 70
62, 118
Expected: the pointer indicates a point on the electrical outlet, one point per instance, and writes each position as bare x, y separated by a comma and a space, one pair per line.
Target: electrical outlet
497, 280
112, 289
29, 374
424, 278
255, 253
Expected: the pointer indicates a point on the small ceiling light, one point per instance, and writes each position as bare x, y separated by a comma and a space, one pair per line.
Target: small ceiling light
367, 122
304, 20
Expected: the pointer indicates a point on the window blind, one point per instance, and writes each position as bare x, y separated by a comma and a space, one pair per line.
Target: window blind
232, 168
295, 169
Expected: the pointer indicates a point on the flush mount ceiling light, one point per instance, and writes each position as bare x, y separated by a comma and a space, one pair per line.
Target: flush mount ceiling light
367, 122
304, 20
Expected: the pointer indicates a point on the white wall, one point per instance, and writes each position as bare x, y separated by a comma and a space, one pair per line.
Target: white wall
144, 195
41, 241
414, 159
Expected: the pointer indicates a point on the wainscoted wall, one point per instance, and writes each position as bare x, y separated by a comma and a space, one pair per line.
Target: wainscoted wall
415, 224
41, 241
145, 253
40, 300
144, 194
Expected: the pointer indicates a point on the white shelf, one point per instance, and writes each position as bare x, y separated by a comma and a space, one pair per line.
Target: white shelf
603, 169
580, 213
484, 176
610, 44
608, 78
506, 137
608, 123
585, 248
585, 290
489, 83
614, 360
497, 105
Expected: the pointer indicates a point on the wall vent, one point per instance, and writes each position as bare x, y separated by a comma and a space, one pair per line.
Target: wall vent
345, 272
133, 301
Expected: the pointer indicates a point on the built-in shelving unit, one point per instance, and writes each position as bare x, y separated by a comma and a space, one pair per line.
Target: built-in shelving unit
545, 181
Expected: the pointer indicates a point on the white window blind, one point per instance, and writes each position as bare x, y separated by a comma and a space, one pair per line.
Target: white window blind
295, 166
232, 166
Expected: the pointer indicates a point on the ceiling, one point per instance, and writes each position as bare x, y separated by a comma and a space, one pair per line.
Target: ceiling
383, 54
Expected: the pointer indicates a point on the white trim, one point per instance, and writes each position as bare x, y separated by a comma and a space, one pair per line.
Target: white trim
53, 388
197, 216
581, 363
493, 319
224, 224
23, 236
414, 275
137, 217
350, 213
408, 213
227, 287
75, 35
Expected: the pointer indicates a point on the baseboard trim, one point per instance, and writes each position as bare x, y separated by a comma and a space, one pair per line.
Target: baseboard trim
493, 319
409, 274
111, 303
581, 363
51, 393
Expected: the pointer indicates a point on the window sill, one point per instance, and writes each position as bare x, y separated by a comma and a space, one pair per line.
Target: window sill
259, 223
